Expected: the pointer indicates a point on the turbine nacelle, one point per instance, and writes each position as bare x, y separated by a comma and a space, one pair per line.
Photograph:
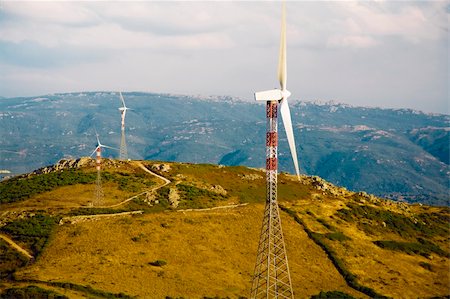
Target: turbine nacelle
272, 95
100, 146
282, 94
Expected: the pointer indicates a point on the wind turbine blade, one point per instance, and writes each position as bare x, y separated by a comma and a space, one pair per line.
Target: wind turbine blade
123, 101
282, 67
93, 152
96, 135
287, 122
110, 147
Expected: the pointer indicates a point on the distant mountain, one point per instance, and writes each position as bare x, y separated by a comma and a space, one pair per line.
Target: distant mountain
434, 140
395, 153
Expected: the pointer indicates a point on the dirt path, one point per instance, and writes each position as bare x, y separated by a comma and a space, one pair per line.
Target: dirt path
152, 173
16, 246
78, 218
214, 208
140, 165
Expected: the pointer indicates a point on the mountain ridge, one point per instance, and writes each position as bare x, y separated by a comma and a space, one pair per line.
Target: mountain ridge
370, 149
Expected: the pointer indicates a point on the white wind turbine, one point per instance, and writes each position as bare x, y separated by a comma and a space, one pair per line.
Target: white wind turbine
123, 153
98, 187
271, 277
282, 94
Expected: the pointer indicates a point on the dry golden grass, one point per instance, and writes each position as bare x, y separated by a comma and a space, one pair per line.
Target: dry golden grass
212, 253
391, 273
114, 255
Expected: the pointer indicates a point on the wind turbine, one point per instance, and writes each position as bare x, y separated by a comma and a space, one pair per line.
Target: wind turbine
123, 153
98, 196
271, 277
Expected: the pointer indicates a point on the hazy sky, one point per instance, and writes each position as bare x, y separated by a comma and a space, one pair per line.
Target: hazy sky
380, 53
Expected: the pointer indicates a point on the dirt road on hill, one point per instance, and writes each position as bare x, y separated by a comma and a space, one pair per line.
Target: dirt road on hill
152, 173
16, 246
140, 165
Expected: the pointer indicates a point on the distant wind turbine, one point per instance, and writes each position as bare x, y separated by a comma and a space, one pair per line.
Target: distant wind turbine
98, 196
123, 153
271, 277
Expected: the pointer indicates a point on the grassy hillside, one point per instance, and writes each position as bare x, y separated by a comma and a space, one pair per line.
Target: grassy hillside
339, 243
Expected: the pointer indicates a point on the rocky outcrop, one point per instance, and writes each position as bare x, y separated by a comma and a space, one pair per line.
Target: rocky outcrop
161, 167
219, 190
174, 197
62, 165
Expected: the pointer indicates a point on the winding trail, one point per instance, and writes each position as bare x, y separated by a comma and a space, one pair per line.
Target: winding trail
74, 219
140, 165
16, 246
215, 208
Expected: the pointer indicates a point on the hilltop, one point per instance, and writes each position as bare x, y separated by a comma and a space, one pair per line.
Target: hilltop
167, 229
400, 154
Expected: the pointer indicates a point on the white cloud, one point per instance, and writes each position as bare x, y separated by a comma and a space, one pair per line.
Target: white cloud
352, 41
232, 46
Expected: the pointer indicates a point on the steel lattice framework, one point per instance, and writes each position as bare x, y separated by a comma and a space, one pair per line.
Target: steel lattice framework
98, 195
271, 277
123, 153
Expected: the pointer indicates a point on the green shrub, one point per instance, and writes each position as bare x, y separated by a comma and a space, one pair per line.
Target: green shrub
158, 263
336, 236
127, 182
30, 292
34, 231
427, 224
326, 224
10, 260
80, 288
426, 266
191, 192
16, 189
422, 247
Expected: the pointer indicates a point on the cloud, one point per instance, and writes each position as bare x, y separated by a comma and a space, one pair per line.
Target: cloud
352, 41
338, 49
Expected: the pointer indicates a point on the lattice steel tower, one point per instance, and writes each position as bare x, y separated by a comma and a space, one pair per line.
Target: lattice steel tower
98, 193
271, 278
98, 196
123, 153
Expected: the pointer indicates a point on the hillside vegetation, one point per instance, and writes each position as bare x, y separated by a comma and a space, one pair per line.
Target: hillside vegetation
197, 235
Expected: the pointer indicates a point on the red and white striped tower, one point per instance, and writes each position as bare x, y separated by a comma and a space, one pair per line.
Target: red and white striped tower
98, 200
271, 278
